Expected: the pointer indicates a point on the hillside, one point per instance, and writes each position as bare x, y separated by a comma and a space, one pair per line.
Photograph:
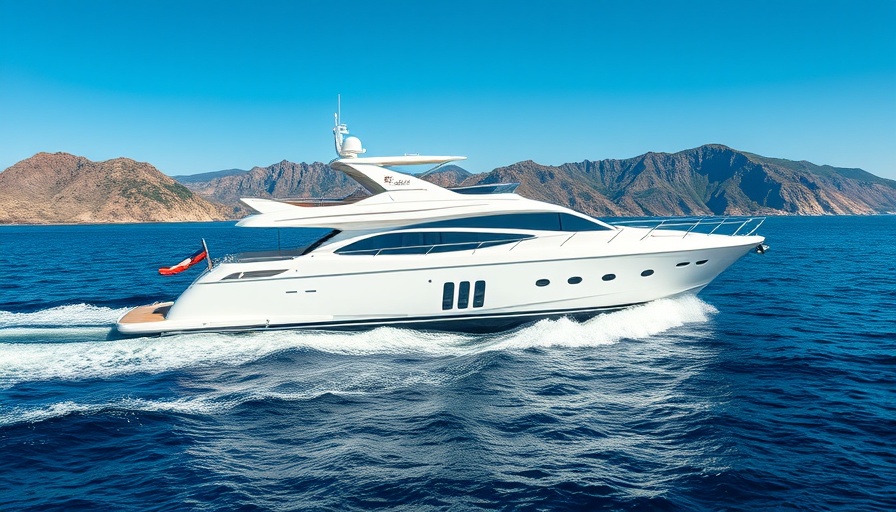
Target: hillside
62, 188
709, 180
287, 180
447, 176
208, 176
278, 181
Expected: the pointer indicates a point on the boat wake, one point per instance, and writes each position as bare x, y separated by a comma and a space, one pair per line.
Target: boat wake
44, 347
62, 316
82, 352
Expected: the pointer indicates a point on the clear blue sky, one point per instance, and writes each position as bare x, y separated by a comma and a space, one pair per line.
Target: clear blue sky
202, 86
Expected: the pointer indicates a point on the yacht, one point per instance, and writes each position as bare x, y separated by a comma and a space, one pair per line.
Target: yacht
413, 254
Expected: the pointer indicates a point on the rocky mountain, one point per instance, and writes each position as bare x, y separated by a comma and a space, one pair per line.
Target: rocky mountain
709, 180
63, 188
208, 176
447, 176
283, 180
287, 180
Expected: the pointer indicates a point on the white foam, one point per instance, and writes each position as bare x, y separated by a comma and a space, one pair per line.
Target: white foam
24, 362
62, 334
68, 315
35, 362
637, 322
15, 415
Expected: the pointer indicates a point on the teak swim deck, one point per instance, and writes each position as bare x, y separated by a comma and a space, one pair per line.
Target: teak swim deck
149, 313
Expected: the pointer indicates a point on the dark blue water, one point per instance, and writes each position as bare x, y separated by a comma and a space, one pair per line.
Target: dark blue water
776, 389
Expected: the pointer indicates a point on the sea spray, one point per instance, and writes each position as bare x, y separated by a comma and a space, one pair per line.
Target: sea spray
102, 359
62, 316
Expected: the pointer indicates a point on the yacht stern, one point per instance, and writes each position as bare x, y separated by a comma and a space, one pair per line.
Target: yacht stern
144, 319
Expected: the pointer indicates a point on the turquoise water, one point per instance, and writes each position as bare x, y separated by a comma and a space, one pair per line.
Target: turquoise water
776, 388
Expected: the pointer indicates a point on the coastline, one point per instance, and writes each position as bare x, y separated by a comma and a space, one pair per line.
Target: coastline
236, 219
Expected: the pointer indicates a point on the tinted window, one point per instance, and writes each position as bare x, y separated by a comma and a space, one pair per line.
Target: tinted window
542, 282
574, 280
647, 273
463, 295
536, 221
255, 274
608, 277
448, 296
320, 241
397, 243
422, 242
573, 223
479, 294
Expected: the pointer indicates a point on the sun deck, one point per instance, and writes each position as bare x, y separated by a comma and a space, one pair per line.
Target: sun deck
150, 313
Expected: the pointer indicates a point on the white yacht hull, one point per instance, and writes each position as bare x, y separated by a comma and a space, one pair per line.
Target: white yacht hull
576, 275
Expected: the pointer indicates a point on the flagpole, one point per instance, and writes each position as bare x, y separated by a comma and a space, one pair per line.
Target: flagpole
208, 257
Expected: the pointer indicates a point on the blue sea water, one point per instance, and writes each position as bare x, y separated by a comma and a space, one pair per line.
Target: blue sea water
775, 389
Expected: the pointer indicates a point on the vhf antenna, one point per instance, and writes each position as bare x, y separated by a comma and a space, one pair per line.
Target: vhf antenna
346, 147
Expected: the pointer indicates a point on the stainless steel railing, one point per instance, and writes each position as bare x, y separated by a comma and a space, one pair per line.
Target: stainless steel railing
731, 226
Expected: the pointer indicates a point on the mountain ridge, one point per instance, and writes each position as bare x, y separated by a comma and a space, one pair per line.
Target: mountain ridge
712, 179
61, 188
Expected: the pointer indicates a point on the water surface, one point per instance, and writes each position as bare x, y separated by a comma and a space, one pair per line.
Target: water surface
776, 388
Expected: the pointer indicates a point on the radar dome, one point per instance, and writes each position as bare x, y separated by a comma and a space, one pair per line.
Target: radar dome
351, 146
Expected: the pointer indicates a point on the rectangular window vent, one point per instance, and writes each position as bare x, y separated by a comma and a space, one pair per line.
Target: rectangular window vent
463, 295
448, 296
479, 294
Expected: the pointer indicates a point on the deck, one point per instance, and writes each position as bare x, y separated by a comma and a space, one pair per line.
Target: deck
150, 313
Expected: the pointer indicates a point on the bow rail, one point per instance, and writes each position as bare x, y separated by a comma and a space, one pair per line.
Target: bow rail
731, 226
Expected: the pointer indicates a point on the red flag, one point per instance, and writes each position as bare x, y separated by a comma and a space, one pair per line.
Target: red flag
198, 256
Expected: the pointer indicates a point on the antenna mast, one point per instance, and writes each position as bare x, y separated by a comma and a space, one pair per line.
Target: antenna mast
346, 147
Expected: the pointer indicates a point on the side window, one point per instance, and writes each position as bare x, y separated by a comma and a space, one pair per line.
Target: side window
572, 223
448, 296
546, 221
479, 294
412, 242
463, 295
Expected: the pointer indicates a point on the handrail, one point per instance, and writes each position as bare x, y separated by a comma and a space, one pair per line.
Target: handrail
690, 225
430, 247
478, 245
756, 227
695, 225
618, 231
652, 229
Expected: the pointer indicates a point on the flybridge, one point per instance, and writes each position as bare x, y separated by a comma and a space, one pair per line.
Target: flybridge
370, 172
397, 199
388, 161
349, 147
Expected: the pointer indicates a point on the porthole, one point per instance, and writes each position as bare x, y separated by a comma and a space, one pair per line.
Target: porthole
647, 273
542, 282
701, 262
574, 280
683, 264
609, 277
